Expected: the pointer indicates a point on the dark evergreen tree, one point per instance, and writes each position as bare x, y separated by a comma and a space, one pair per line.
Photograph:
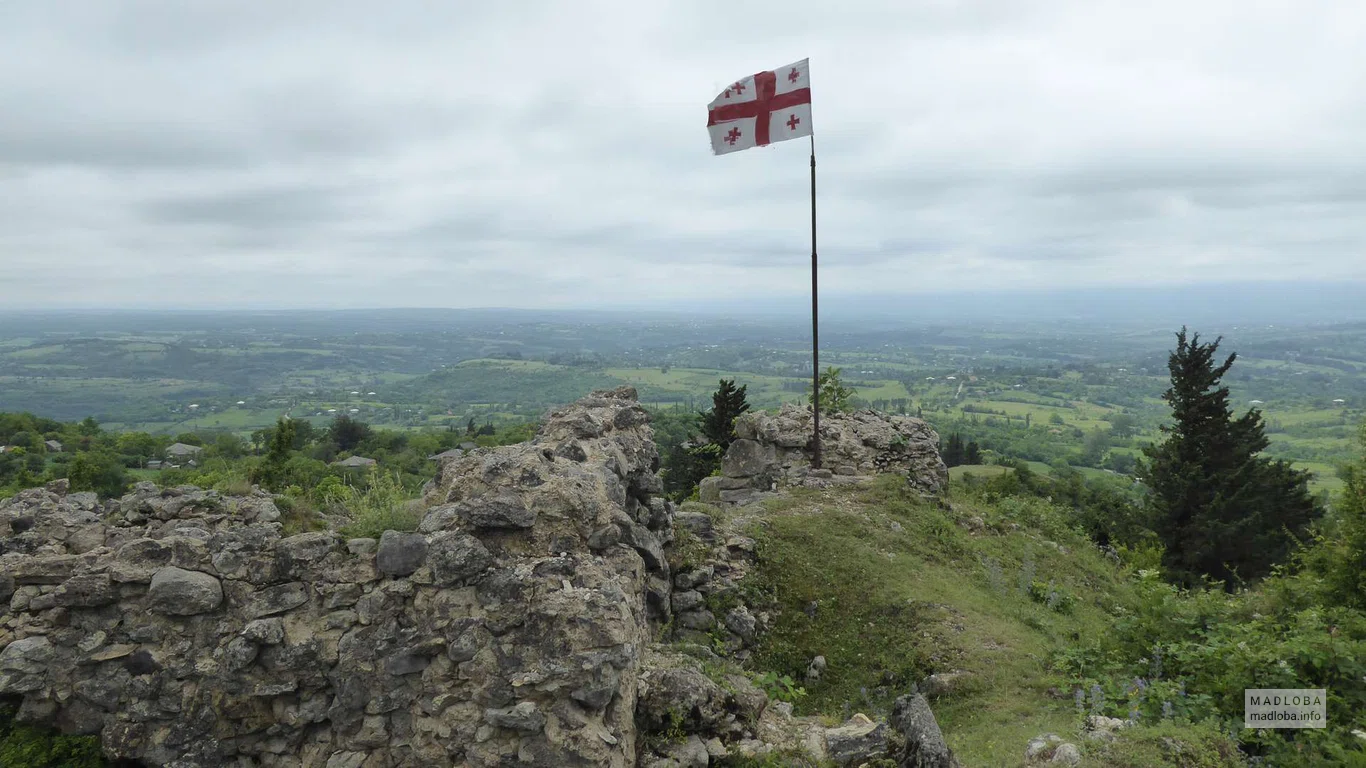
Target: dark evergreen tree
953, 453
728, 402
1340, 555
1221, 510
271, 472
687, 465
347, 433
972, 454
282, 440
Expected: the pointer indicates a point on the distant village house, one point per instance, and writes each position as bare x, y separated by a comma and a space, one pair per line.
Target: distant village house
182, 451
355, 462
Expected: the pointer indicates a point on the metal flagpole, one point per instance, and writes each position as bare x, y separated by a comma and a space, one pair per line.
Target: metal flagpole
815, 326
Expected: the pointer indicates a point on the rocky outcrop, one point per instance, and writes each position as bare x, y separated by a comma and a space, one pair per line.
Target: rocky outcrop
774, 450
532, 619
184, 629
922, 744
707, 605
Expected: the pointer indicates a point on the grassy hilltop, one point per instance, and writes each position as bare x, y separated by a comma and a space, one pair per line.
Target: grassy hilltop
1047, 629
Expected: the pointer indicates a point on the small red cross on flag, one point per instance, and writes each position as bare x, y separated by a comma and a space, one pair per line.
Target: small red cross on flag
761, 109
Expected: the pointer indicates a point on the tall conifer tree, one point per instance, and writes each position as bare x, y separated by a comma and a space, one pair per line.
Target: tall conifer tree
727, 403
1221, 509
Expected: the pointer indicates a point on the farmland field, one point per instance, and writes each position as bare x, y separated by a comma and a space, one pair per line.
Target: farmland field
1052, 394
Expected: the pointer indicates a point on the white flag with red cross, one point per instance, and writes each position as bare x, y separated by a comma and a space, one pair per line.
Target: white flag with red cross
761, 109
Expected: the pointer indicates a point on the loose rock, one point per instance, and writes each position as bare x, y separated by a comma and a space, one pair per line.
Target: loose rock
178, 592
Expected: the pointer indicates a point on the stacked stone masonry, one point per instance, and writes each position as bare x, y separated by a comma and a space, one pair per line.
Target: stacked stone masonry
516, 626
772, 451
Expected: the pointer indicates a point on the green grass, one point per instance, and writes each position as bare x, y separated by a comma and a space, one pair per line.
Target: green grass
763, 391
1325, 476
1201, 746
1091, 473
382, 504
903, 590
885, 390
28, 353
978, 470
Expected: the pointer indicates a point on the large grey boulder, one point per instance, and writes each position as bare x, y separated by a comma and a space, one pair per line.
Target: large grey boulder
924, 743
857, 741
24, 664
746, 458
178, 592
506, 510
400, 553
457, 558
523, 717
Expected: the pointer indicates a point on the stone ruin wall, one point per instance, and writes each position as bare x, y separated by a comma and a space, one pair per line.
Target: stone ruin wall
514, 627
184, 629
772, 451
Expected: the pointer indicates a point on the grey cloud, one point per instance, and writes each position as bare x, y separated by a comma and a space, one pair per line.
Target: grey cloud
370, 154
250, 208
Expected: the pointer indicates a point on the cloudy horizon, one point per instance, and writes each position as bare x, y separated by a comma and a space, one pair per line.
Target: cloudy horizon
346, 154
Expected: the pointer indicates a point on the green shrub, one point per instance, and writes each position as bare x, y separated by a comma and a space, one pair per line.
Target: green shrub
23, 746
1056, 598
780, 687
297, 513
236, 486
1188, 655
383, 505
1201, 745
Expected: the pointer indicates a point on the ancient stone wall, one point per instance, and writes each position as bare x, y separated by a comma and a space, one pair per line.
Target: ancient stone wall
774, 450
531, 620
185, 630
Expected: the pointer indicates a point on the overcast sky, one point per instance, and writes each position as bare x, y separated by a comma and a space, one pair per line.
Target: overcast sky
551, 154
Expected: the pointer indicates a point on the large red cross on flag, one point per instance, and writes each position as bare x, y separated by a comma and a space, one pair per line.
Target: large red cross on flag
761, 109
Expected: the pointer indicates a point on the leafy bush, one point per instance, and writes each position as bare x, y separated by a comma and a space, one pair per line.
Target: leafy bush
297, 513
23, 746
383, 505
685, 467
835, 396
98, 471
780, 687
1052, 596
1187, 656
1198, 745
1338, 555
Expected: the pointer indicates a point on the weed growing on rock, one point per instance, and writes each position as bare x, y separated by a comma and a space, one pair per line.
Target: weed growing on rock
29, 747
780, 687
383, 505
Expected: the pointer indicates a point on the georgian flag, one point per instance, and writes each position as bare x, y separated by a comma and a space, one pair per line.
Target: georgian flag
761, 109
